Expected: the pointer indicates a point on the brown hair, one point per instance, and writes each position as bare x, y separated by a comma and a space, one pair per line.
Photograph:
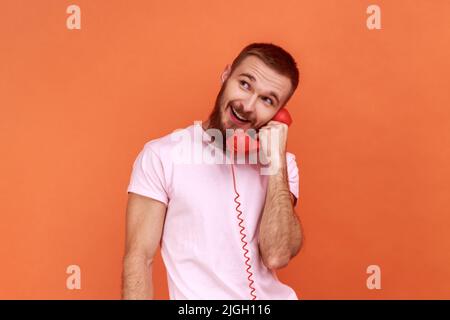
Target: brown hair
275, 57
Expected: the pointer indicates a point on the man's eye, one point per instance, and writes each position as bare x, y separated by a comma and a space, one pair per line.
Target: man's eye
268, 100
244, 84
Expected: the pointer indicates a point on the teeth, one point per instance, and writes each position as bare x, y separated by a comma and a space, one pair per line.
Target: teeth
238, 115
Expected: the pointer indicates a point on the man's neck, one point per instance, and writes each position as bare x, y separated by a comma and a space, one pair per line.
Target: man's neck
205, 125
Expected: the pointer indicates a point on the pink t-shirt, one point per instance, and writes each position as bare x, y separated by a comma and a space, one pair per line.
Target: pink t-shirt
201, 243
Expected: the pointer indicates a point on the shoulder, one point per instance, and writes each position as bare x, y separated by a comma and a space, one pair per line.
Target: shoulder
290, 156
164, 145
291, 159
292, 165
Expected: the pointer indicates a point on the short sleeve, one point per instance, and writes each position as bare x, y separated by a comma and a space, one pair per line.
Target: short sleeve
147, 176
293, 176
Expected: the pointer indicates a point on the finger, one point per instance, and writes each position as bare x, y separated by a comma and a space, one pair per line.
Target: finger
272, 123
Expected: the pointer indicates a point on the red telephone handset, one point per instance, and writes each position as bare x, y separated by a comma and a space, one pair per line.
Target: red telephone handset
252, 144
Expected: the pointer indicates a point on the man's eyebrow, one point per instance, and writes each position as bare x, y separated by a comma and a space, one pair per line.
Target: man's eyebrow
252, 78
248, 75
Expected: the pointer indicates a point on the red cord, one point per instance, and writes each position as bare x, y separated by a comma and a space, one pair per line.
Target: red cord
244, 243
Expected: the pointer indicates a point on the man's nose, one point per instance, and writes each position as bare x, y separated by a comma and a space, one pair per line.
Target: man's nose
250, 103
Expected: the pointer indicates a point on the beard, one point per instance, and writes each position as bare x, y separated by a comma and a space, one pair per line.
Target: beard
215, 118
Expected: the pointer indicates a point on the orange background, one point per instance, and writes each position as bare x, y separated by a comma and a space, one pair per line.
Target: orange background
371, 135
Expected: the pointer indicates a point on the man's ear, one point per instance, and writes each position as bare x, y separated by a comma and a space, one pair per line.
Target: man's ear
226, 73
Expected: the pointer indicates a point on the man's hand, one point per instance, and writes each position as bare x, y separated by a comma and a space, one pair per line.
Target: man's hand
273, 142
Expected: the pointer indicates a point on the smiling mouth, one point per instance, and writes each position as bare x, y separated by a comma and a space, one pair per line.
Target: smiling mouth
237, 116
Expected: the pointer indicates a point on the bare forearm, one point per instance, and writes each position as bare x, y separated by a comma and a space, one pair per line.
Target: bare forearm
280, 232
137, 278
